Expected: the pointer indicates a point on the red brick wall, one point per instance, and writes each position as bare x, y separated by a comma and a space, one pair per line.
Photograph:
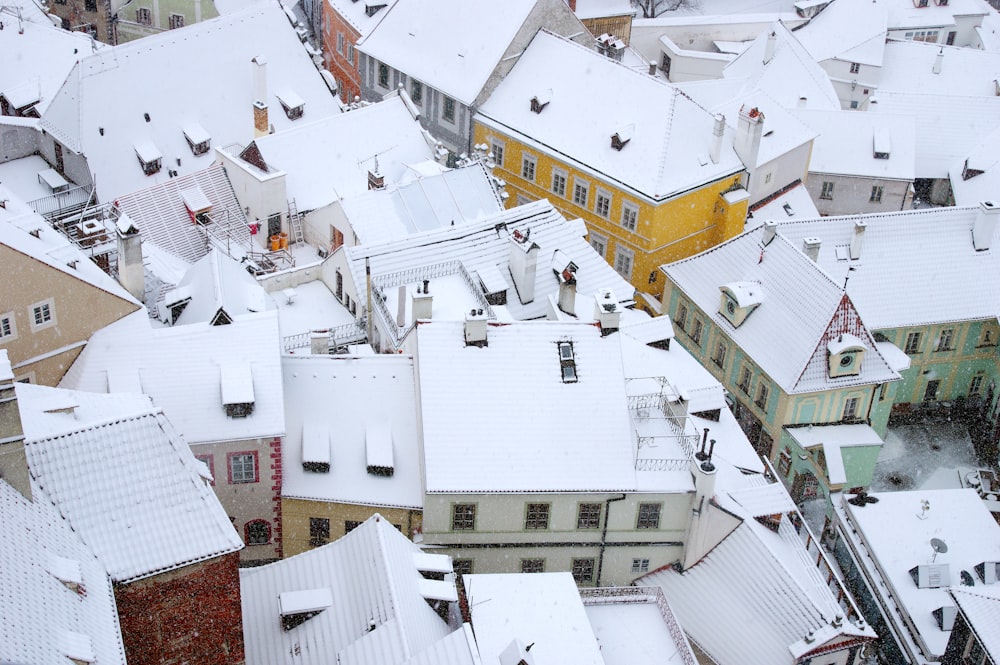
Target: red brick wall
276, 496
191, 615
345, 73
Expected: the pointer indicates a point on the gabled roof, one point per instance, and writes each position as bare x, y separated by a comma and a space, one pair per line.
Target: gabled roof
845, 140
909, 67
982, 611
847, 30
220, 50
378, 615
129, 485
453, 197
803, 308
904, 14
41, 616
362, 16
336, 401
671, 136
218, 288
891, 284
180, 368
969, 187
443, 43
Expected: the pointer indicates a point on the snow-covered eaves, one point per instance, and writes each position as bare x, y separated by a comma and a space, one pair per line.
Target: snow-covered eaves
845, 144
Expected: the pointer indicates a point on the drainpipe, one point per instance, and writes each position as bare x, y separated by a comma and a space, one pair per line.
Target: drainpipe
604, 535
368, 294
871, 403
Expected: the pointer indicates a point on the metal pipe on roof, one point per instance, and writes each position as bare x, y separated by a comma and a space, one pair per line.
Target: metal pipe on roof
604, 535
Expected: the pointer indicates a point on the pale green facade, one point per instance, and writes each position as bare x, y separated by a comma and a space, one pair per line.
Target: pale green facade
149, 17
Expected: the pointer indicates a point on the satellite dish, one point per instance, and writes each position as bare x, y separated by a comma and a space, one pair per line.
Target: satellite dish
939, 547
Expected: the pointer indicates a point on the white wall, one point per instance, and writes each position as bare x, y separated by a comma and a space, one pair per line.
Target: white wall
260, 194
852, 87
698, 37
851, 194
686, 65
784, 170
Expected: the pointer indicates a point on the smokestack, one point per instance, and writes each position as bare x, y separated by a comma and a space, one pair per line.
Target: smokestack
770, 228
401, 306
260, 124
131, 271
422, 303
718, 131
803, 102
859, 234
748, 134
567, 291
699, 539
769, 47
938, 61
810, 247
607, 311
523, 263
475, 328
652, 67
985, 226
13, 460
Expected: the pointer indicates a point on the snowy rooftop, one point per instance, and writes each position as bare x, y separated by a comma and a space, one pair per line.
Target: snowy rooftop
905, 14
453, 197
803, 309
217, 288
981, 608
847, 30
445, 43
360, 15
969, 187
331, 405
895, 534
909, 67
832, 439
83, 117
635, 627
846, 143
671, 136
378, 617
181, 369
890, 284
601, 8
792, 204
42, 556
782, 131
128, 511
331, 157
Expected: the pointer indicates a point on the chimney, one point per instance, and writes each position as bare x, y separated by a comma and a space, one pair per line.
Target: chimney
718, 131
401, 307
859, 234
131, 272
803, 102
567, 291
523, 263
475, 328
260, 124
319, 342
769, 47
770, 229
985, 226
572, 5
375, 179
938, 60
423, 302
810, 247
607, 311
13, 460
652, 67
699, 538
748, 134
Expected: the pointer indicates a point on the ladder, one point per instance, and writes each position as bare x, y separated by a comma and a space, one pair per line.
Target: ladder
295, 222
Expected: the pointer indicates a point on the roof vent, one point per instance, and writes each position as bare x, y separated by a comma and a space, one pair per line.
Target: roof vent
293, 105
475, 328
67, 571
297, 607
946, 617
622, 136
197, 137
539, 102
988, 571
931, 575
78, 647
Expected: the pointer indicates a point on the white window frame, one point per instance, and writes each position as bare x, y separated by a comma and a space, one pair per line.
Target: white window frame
7, 320
564, 179
350, 53
640, 565
529, 167
630, 216
826, 192
496, 149
144, 16
623, 254
48, 323
851, 408
578, 187
602, 203
599, 243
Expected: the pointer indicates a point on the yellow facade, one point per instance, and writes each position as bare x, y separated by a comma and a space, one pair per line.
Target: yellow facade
296, 515
666, 230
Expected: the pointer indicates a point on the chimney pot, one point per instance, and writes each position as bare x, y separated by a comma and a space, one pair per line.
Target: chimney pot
985, 226
718, 131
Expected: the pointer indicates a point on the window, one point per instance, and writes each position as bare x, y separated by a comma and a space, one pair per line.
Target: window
417, 92
580, 191
912, 343
744, 384
649, 516
975, 385
340, 43
208, 462
319, 531
537, 516
630, 216
243, 467
761, 400
974, 653
462, 566
143, 16
640, 566
696, 332
449, 109
496, 149
559, 182
350, 525
176, 21
603, 205
682, 316
350, 55
257, 532
599, 243
855, 67
8, 327
851, 408
583, 570
854, 104
827, 191
930, 393
720, 355
623, 262
567, 362
43, 314
876, 196
463, 517
950, 41
528, 168
532, 565
784, 462
383, 75
945, 340
90, 5
588, 516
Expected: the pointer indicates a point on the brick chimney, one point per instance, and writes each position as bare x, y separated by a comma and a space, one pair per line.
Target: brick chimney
523, 264
131, 271
260, 123
13, 460
985, 226
748, 134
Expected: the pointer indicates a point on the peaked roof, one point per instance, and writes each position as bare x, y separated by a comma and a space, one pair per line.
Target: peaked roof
378, 615
218, 287
845, 143
42, 618
981, 608
91, 115
909, 67
968, 189
671, 136
803, 309
356, 14
847, 30
129, 485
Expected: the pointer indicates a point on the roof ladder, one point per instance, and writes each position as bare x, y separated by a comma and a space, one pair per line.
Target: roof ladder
295, 222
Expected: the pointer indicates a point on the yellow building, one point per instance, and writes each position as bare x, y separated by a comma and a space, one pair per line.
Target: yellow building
309, 524
654, 175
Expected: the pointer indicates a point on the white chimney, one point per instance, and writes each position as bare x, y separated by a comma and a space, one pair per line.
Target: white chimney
803, 101
423, 302
985, 226
319, 342
698, 541
652, 67
475, 328
859, 234
523, 264
769, 47
567, 291
401, 306
131, 271
770, 228
718, 131
810, 247
607, 311
260, 123
938, 60
748, 134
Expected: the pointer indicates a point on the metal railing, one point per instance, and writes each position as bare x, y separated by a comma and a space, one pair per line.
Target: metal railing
349, 333
633, 594
64, 203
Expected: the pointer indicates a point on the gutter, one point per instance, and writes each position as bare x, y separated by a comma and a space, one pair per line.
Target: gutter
604, 536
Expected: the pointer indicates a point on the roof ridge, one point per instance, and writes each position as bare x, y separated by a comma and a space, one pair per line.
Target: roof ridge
98, 424
668, 134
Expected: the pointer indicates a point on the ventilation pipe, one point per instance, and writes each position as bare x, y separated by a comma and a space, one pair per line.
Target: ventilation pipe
718, 131
938, 61
769, 47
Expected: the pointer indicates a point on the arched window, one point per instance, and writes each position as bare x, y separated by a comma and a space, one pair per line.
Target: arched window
257, 532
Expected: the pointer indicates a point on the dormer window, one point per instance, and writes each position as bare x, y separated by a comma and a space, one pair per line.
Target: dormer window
845, 355
738, 300
621, 137
539, 102
567, 362
237, 390
293, 105
149, 157
372, 8
297, 607
315, 449
379, 459
198, 139
881, 144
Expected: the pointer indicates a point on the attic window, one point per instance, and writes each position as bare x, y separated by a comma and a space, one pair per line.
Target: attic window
372, 8
293, 105
567, 362
621, 137
149, 156
198, 139
845, 355
539, 102
738, 300
931, 575
881, 145
67, 571
297, 607
315, 449
237, 390
378, 450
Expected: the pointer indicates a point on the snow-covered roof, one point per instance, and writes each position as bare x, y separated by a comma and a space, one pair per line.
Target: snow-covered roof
451, 45
362, 16
330, 158
847, 30
909, 67
969, 187
893, 536
846, 143
951, 125
890, 284
41, 553
603, 8
218, 286
453, 197
832, 439
803, 308
335, 400
904, 14
981, 608
180, 368
793, 203
128, 485
671, 135
378, 615
91, 115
